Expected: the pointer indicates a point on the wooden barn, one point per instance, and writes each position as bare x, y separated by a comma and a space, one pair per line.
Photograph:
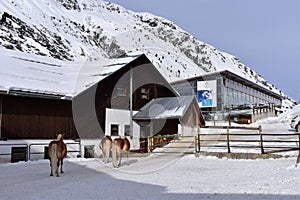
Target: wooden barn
39, 98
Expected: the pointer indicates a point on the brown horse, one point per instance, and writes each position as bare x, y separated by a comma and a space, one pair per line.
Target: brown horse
106, 145
120, 146
57, 151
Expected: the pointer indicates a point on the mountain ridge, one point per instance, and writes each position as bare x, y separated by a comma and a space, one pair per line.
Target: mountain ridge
96, 29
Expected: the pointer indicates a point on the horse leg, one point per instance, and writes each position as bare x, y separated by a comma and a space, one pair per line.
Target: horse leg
107, 155
61, 166
115, 155
51, 173
127, 157
57, 170
120, 158
105, 159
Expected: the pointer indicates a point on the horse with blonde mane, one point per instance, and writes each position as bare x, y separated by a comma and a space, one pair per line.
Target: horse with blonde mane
120, 146
106, 145
57, 151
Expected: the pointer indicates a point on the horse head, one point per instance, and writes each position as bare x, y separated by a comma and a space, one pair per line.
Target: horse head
60, 136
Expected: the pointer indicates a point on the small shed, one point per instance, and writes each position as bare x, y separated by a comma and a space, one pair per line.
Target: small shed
170, 115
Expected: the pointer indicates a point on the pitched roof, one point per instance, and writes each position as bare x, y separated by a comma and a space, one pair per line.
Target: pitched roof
42, 75
165, 108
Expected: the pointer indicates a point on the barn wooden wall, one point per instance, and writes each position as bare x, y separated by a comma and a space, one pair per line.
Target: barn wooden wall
36, 118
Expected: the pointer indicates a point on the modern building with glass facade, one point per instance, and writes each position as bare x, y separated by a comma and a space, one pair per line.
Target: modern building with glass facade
225, 92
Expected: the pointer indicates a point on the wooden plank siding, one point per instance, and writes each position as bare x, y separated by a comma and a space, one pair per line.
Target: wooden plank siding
36, 118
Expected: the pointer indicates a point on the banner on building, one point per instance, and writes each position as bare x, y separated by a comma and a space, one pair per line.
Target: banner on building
207, 93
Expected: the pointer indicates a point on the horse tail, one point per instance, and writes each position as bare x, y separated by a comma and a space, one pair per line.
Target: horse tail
100, 145
126, 148
53, 158
108, 146
114, 154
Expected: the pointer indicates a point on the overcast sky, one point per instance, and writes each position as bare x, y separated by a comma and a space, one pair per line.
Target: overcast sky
263, 34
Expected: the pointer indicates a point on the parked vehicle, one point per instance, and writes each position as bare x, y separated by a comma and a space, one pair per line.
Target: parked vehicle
295, 121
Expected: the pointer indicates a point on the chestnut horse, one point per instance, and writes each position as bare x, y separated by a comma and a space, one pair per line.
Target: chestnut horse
57, 151
120, 146
106, 145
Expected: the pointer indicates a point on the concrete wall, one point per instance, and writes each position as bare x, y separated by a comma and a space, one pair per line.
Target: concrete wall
122, 118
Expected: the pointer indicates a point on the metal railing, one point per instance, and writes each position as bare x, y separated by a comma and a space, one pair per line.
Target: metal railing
30, 152
12, 145
18, 152
46, 145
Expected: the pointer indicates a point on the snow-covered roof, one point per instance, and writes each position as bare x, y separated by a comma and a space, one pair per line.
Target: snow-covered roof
44, 75
165, 108
228, 73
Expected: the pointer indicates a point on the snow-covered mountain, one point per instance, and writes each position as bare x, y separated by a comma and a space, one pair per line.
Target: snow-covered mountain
78, 30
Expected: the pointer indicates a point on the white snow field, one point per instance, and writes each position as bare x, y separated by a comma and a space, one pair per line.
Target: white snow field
157, 177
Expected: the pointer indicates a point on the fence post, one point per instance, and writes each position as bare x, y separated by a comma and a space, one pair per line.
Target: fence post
228, 139
298, 132
196, 143
148, 145
199, 142
261, 139
298, 158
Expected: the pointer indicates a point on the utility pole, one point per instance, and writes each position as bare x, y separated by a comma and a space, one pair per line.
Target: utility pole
131, 101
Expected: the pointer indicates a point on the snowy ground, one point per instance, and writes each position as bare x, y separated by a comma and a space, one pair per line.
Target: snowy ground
157, 177
154, 177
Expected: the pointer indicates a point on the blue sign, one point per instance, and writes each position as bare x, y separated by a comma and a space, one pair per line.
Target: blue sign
205, 98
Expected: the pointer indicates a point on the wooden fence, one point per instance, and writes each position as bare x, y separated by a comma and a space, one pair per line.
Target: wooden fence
239, 139
172, 144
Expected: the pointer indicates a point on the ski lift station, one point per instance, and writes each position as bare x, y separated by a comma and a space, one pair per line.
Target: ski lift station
225, 95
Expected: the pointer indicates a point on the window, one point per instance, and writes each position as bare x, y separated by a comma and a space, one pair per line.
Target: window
229, 92
114, 129
121, 90
127, 130
144, 93
234, 93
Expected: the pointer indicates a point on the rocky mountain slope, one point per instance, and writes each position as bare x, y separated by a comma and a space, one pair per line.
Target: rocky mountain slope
75, 30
